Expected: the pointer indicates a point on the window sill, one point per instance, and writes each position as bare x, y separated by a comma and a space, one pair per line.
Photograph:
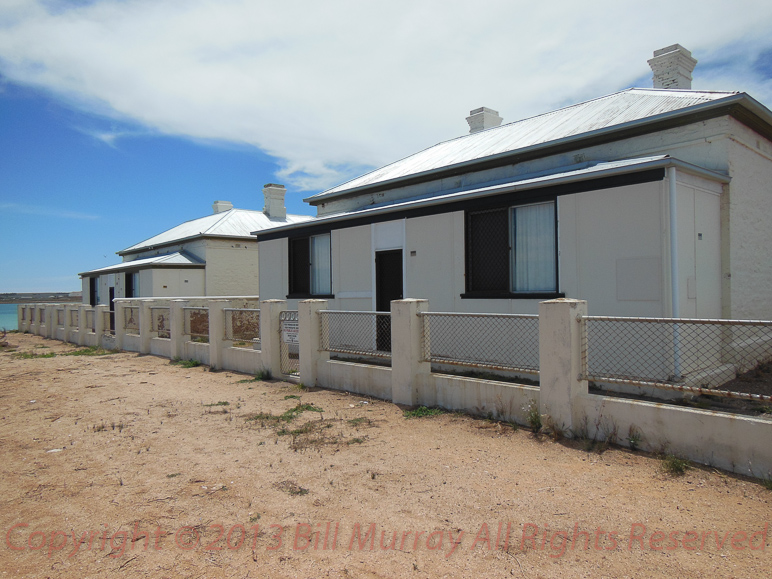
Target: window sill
497, 295
310, 297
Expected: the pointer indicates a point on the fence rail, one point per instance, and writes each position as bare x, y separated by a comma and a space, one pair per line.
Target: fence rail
356, 332
682, 354
242, 324
494, 341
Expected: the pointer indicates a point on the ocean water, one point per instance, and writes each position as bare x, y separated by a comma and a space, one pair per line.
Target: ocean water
8, 317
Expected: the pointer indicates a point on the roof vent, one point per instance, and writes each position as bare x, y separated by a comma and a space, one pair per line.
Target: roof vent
274, 201
220, 206
672, 67
483, 118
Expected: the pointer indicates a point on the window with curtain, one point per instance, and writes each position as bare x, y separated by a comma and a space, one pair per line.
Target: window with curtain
310, 267
511, 250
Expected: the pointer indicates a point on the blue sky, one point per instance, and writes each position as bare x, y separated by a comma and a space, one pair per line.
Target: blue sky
122, 118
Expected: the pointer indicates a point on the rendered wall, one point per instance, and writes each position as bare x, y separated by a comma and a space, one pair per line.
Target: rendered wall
231, 268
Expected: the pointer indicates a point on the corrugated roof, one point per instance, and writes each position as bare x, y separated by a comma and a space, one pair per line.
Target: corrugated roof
231, 223
178, 259
557, 176
602, 113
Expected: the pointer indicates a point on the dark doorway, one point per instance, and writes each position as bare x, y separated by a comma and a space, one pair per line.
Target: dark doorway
93, 296
388, 287
112, 309
128, 285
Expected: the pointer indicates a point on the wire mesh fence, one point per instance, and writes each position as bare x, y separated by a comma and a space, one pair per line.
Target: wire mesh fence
289, 345
357, 333
159, 321
74, 318
197, 323
692, 355
242, 325
131, 320
493, 341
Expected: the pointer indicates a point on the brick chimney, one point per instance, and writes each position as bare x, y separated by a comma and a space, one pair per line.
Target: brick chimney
274, 201
672, 67
220, 206
483, 118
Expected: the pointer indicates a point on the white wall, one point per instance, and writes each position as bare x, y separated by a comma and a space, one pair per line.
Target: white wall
170, 282
231, 268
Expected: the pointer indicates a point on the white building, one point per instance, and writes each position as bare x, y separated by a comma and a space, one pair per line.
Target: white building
214, 255
645, 202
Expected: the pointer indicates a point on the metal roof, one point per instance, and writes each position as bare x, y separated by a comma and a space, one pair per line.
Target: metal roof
558, 176
231, 223
583, 119
177, 259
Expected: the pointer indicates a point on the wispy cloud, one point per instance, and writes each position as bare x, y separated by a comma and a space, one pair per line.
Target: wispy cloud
329, 88
45, 211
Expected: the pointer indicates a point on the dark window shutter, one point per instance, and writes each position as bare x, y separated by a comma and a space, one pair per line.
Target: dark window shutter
487, 250
300, 266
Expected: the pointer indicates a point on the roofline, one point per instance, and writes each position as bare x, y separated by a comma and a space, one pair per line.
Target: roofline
741, 106
139, 267
182, 240
492, 190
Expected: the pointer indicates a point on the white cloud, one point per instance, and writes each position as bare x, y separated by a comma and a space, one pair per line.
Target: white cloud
45, 211
330, 88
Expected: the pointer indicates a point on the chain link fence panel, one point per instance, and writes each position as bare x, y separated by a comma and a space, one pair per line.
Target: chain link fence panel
242, 325
197, 323
356, 333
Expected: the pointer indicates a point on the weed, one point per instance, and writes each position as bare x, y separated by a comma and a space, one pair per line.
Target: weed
263, 375
90, 351
174, 474
358, 421
356, 441
634, 437
186, 363
220, 403
100, 428
291, 396
287, 416
767, 483
31, 355
532, 416
422, 412
673, 465
200, 340
291, 487
254, 518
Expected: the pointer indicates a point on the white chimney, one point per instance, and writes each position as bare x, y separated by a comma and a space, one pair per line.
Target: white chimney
672, 67
220, 206
483, 118
274, 201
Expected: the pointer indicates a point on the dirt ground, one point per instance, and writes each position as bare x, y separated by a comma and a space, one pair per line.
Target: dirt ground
129, 466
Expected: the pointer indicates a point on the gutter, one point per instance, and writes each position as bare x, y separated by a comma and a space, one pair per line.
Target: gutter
510, 187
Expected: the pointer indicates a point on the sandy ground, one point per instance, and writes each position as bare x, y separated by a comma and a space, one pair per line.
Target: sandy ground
127, 466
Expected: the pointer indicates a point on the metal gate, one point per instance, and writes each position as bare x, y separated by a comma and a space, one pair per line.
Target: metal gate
289, 340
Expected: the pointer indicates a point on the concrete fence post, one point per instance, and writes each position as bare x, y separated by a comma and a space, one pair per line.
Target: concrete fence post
68, 323
270, 335
177, 328
217, 341
99, 322
82, 330
34, 326
145, 326
50, 330
410, 374
560, 361
309, 328
19, 322
120, 323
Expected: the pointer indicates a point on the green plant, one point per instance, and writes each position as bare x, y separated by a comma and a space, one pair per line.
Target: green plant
356, 441
358, 421
263, 375
186, 363
174, 474
767, 483
675, 466
292, 396
532, 416
422, 412
90, 351
30, 355
634, 438
254, 518
220, 403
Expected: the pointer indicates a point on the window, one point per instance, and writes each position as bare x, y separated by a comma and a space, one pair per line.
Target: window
310, 268
511, 251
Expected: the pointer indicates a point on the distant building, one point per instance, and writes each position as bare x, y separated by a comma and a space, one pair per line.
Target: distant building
645, 202
214, 255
